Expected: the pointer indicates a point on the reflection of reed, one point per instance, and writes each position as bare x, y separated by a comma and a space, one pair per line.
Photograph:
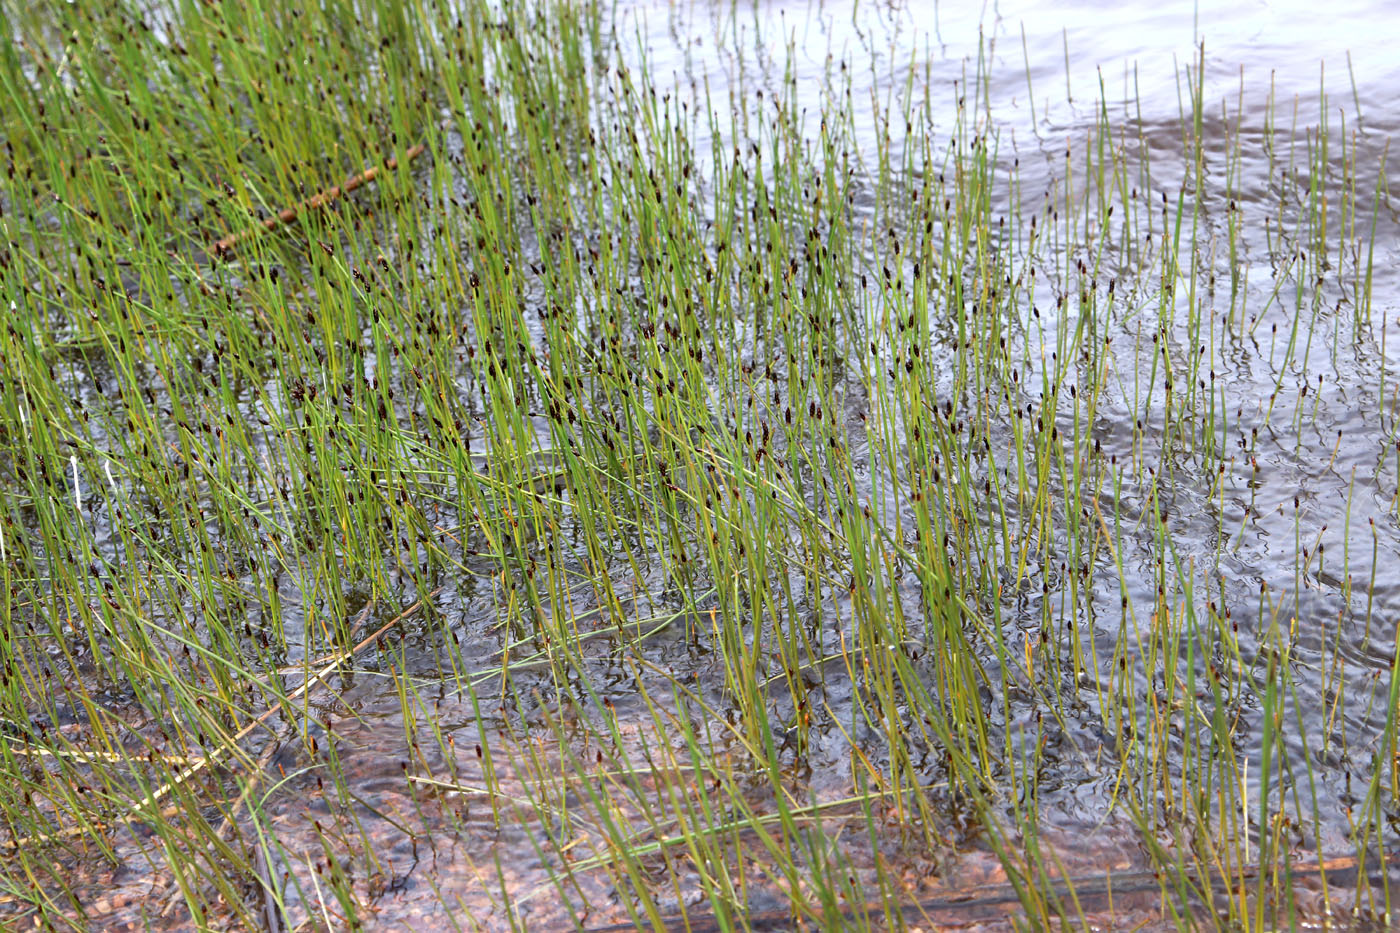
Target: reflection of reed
315, 202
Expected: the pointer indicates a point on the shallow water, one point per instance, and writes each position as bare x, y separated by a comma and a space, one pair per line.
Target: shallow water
1320, 475
1305, 514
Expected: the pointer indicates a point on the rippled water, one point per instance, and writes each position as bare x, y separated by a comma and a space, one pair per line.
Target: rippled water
1271, 75
1308, 516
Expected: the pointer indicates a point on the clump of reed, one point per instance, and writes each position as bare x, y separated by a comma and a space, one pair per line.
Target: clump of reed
695, 511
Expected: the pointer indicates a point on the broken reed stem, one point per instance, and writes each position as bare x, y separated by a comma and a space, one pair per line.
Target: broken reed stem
315, 202
314, 680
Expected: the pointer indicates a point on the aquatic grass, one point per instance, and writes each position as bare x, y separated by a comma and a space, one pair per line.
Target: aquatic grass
768, 498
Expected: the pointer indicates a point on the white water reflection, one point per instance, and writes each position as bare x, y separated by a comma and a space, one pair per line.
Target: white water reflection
1059, 51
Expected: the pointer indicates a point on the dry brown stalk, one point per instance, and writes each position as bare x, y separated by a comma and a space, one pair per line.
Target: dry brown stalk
315, 202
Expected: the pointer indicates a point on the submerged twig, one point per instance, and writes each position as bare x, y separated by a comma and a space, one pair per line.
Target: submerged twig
988, 902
